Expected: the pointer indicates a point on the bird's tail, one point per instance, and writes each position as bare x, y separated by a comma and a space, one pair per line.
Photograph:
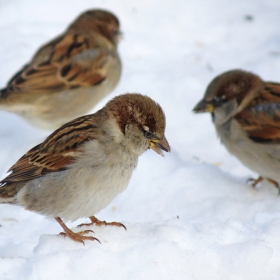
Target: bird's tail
3, 99
3, 93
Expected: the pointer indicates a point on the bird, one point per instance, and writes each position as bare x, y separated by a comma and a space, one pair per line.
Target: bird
84, 164
246, 114
69, 75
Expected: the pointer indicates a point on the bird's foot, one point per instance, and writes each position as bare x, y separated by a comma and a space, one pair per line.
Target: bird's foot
76, 236
95, 221
255, 181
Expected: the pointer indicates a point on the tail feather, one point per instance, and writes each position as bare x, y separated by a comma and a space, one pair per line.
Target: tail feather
3, 93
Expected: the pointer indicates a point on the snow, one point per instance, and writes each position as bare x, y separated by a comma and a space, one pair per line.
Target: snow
189, 215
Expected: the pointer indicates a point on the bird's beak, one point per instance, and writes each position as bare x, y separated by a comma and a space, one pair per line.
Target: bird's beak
203, 107
159, 145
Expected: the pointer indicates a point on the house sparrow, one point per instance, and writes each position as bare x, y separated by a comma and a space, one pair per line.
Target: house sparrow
69, 75
84, 164
246, 113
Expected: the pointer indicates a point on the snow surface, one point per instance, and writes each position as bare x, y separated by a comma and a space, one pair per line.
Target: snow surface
189, 215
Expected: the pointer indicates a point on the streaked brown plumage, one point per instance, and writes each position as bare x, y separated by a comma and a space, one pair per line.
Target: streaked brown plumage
84, 164
69, 75
246, 114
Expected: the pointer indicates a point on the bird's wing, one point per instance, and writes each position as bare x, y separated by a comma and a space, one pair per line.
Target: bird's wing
59, 150
70, 61
261, 121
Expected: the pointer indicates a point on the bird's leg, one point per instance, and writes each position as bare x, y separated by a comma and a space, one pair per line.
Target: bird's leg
95, 221
75, 236
255, 181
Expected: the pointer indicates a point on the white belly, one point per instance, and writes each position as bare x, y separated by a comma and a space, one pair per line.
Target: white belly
81, 191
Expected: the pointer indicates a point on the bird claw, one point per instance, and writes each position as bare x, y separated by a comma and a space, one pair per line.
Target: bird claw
95, 221
85, 232
86, 224
76, 236
116, 224
79, 236
276, 185
254, 181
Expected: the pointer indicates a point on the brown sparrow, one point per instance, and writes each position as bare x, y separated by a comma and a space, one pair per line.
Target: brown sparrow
84, 164
69, 75
246, 113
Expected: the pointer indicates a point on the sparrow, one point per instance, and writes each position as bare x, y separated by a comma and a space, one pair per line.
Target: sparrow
69, 75
84, 164
246, 113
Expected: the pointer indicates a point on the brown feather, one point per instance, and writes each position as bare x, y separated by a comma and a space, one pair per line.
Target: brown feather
56, 152
261, 120
61, 68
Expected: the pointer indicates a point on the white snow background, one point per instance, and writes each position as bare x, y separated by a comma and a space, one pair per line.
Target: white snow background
189, 215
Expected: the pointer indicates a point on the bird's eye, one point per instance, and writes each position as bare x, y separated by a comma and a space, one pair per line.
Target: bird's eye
218, 100
148, 134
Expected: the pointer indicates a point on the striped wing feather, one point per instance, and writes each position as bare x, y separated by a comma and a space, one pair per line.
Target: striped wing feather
56, 152
67, 62
261, 121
